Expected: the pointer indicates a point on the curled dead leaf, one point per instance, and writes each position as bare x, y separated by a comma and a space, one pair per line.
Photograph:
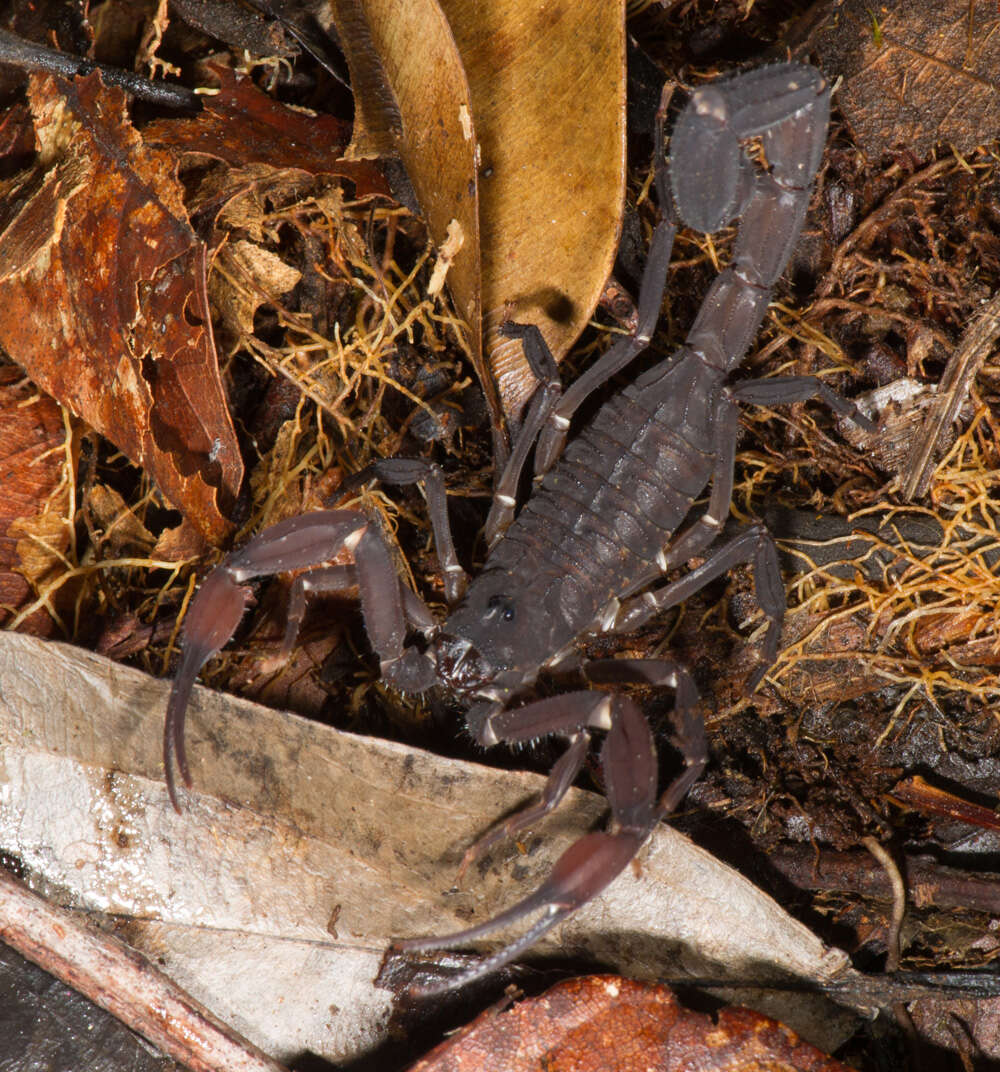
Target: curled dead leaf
607, 1024
513, 125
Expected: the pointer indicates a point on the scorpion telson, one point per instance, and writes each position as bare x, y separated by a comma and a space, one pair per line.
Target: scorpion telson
600, 525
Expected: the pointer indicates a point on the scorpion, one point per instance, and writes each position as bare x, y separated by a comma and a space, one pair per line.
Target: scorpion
598, 528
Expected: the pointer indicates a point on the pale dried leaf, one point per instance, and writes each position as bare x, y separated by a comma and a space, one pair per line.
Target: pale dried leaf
292, 824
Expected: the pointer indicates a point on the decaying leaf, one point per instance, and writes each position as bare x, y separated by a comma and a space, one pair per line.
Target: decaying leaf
607, 1024
291, 823
970, 1027
915, 74
102, 298
246, 276
240, 125
34, 521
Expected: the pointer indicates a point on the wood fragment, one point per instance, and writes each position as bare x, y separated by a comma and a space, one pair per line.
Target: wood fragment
124, 983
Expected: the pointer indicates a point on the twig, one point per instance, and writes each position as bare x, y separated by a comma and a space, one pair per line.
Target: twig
851, 872
963, 365
124, 983
27, 56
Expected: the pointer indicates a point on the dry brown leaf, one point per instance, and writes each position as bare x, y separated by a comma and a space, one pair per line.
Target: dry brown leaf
548, 101
513, 126
915, 74
603, 1023
291, 823
102, 284
438, 141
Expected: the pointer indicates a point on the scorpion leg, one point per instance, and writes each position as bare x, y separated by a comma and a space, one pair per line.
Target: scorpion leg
754, 545
405, 471
543, 365
775, 391
299, 543
781, 389
705, 528
700, 533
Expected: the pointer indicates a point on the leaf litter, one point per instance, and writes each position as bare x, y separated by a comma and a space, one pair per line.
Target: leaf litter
902, 250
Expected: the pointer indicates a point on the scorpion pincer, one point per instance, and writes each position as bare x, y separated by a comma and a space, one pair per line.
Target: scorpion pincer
599, 527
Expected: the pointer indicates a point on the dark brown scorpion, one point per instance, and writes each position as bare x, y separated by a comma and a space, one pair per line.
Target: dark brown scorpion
599, 526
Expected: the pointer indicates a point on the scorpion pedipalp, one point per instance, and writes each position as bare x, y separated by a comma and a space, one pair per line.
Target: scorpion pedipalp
593, 861
299, 543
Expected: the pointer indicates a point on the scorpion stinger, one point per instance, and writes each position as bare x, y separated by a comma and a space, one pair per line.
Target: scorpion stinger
602, 522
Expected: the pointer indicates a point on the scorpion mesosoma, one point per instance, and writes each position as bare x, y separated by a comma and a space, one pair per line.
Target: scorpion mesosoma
598, 527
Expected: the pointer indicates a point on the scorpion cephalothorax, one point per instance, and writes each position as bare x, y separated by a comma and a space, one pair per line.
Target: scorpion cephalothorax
599, 526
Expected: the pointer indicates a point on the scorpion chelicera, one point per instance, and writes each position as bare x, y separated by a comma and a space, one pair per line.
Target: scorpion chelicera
599, 526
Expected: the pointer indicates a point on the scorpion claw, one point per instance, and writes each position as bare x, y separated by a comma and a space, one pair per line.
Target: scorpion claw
565, 770
211, 621
579, 875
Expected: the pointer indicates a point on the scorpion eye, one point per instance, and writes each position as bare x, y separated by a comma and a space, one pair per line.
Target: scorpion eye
502, 604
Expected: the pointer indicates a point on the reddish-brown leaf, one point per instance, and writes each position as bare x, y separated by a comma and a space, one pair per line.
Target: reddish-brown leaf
34, 523
241, 125
102, 298
607, 1024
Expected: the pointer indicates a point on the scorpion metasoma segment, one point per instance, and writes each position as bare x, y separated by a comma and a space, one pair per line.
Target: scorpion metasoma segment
599, 527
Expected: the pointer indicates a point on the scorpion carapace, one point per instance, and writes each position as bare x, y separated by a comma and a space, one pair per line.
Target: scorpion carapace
599, 527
